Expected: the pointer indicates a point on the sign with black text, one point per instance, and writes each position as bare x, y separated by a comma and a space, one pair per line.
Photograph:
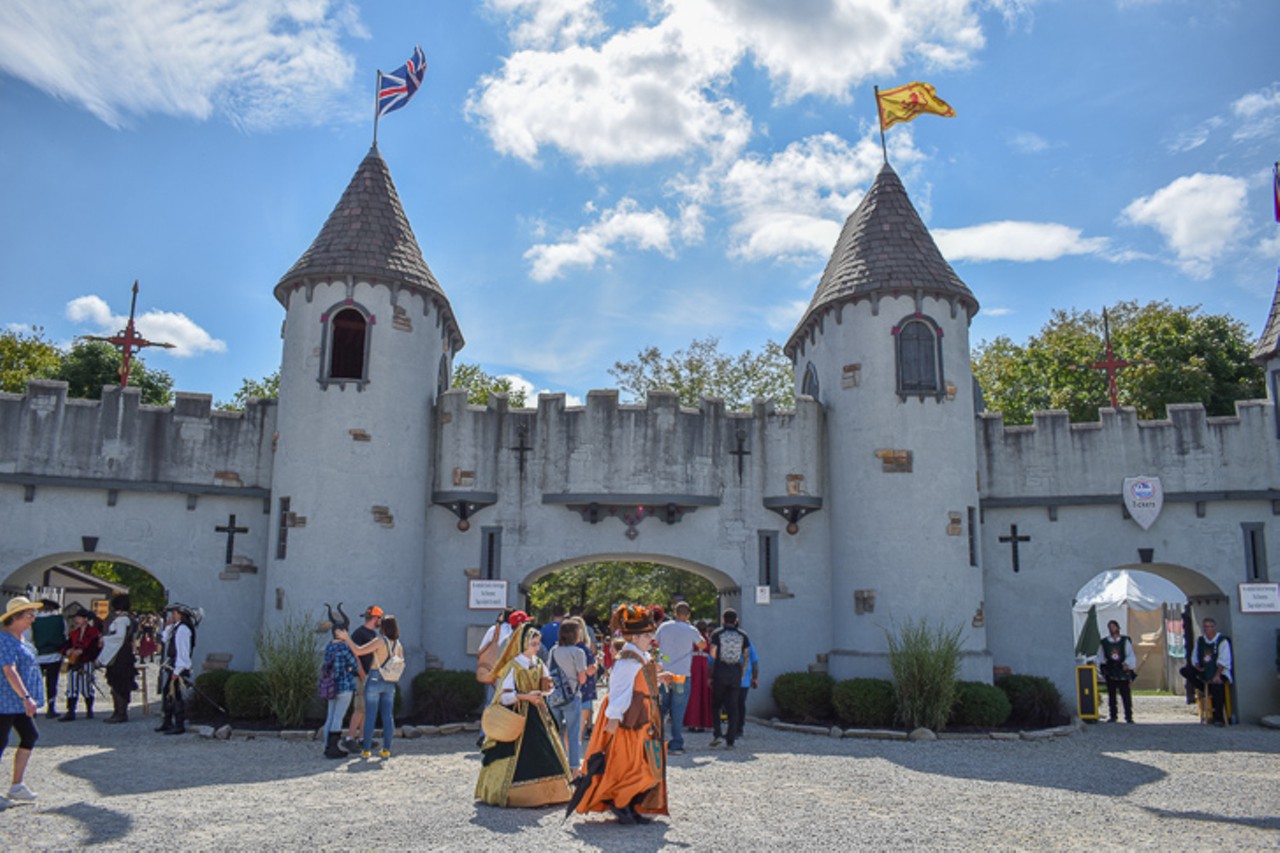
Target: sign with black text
486, 595
1259, 597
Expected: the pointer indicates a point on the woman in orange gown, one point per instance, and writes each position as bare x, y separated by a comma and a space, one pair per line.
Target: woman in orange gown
629, 729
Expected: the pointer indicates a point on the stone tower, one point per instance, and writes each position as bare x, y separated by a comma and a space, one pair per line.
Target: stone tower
884, 346
369, 338
1267, 350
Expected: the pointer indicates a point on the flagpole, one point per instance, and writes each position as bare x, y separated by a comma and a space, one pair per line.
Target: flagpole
377, 84
880, 120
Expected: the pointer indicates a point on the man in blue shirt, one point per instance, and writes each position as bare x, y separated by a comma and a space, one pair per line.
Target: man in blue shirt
750, 679
551, 631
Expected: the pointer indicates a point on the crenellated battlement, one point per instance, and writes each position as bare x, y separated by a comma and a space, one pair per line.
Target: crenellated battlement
606, 447
45, 434
1188, 450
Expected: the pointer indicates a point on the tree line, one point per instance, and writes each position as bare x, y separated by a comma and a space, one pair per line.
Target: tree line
1175, 355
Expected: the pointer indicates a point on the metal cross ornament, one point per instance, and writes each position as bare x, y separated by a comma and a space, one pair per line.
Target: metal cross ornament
128, 341
1013, 539
1110, 363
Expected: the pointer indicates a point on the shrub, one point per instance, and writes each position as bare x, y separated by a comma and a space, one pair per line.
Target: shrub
924, 663
290, 668
211, 691
446, 696
864, 701
803, 696
979, 704
1034, 699
246, 694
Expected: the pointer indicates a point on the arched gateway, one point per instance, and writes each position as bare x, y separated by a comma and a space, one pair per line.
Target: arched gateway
882, 497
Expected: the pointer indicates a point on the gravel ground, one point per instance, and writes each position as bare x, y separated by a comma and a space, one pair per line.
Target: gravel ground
1163, 783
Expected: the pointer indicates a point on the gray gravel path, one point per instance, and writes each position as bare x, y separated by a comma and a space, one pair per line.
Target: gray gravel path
1163, 783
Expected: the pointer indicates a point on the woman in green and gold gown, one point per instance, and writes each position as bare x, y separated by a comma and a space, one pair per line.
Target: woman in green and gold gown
531, 770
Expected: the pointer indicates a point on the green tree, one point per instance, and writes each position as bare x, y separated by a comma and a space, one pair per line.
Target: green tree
703, 370
266, 388
599, 587
1177, 355
92, 364
26, 355
146, 595
479, 385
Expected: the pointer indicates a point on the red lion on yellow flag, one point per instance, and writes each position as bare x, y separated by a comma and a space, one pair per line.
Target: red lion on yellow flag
906, 102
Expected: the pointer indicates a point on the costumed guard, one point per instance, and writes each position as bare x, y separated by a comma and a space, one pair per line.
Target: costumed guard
80, 651
1209, 667
626, 767
522, 759
117, 657
49, 635
1118, 665
178, 639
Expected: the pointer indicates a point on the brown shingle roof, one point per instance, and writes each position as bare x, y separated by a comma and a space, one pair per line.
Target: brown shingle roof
884, 248
1269, 344
367, 234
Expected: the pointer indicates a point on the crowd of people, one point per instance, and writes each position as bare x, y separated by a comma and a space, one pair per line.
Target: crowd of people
69, 646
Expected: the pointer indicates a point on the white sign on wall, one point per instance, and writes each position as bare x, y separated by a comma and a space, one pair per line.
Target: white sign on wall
1143, 497
486, 595
1259, 597
762, 595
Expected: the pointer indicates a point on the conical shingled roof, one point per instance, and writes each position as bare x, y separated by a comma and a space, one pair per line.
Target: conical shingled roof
884, 249
1269, 344
367, 235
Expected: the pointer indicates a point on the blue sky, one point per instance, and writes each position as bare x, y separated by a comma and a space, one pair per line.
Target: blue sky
590, 178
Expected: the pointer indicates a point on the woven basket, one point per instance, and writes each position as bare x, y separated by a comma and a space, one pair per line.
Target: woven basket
501, 723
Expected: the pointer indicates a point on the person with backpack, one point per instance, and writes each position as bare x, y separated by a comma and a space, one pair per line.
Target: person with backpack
728, 659
380, 682
568, 665
1117, 663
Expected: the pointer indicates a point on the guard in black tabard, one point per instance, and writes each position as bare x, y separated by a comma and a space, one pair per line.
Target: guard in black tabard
1117, 664
1210, 667
175, 672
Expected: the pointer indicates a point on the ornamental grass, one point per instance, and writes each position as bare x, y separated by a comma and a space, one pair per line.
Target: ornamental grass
925, 662
290, 668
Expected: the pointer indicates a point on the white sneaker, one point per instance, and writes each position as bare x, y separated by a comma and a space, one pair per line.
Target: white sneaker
20, 793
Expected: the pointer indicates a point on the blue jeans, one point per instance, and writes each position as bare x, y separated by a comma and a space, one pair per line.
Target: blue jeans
570, 718
379, 696
337, 710
676, 701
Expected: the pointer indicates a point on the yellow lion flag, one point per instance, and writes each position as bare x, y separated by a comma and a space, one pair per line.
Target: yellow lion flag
906, 102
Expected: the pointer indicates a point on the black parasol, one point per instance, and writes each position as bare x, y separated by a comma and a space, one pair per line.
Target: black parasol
594, 767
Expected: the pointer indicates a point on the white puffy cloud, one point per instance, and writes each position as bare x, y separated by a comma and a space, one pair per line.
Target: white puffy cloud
655, 90
546, 24
171, 327
258, 63
791, 204
519, 383
1015, 241
625, 223
1028, 142
1259, 113
1198, 215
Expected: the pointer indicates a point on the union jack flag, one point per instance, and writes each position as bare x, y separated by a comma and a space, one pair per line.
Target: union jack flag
395, 89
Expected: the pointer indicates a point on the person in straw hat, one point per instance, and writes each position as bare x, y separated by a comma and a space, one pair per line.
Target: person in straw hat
22, 692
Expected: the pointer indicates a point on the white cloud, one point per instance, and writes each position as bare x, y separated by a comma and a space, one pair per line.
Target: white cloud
1259, 113
1015, 241
519, 383
258, 63
624, 223
1198, 215
158, 326
784, 317
546, 24
791, 204
1189, 140
997, 312
1028, 142
655, 90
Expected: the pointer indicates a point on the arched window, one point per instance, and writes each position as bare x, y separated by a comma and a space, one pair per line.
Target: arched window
917, 340
348, 333
809, 386
442, 378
